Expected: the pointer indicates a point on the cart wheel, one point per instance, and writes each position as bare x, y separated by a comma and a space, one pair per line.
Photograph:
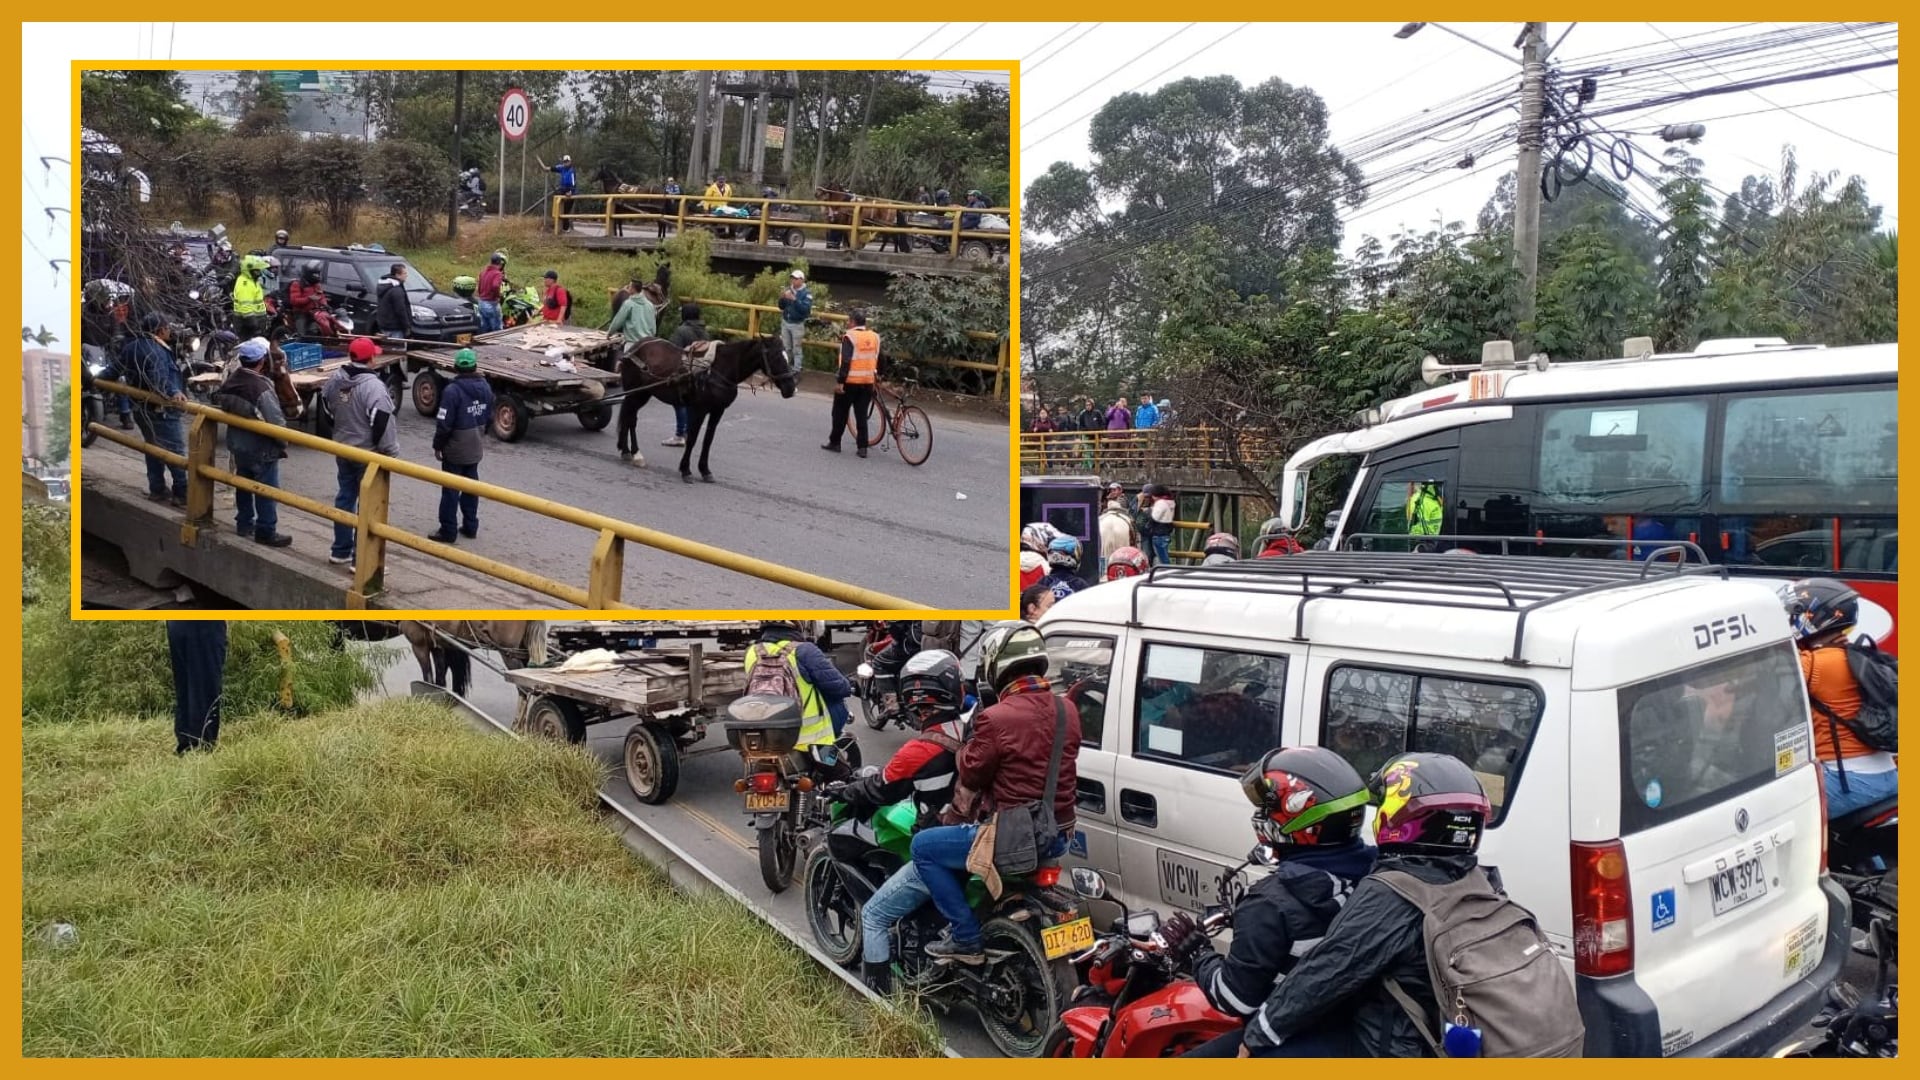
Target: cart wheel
596, 418
426, 393
976, 251
510, 418
557, 719
653, 764
794, 239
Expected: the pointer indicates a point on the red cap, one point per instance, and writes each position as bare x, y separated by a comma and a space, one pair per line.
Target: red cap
363, 349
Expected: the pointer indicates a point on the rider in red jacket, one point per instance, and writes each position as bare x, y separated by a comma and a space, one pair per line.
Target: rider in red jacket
304, 297
1276, 539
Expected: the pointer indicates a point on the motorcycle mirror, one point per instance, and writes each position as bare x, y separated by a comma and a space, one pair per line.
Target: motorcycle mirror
865, 671
1088, 884
1261, 855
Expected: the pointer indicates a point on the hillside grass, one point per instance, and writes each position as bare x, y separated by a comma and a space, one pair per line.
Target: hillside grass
383, 881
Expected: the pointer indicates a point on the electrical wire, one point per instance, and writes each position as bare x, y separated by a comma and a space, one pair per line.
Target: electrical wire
1135, 87
977, 27
923, 41
1043, 45
1789, 111
1026, 69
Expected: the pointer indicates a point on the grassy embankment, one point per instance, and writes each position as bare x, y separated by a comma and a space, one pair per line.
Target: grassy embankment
373, 880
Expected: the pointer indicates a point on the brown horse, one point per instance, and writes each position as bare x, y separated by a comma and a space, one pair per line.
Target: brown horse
705, 384
520, 643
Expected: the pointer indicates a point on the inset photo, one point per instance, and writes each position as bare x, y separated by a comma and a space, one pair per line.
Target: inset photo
545, 339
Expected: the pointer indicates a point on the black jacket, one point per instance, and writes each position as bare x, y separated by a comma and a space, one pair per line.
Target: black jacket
392, 310
1341, 982
924, 769
1278, 920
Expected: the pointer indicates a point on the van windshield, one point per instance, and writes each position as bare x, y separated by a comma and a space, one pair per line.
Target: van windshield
1707, 734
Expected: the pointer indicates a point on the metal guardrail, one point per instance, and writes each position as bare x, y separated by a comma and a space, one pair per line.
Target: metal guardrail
604, 572
755, 311
858, 233
1103, 452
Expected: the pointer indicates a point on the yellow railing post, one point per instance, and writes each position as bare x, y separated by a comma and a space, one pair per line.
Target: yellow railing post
608, 223
954, 252
753, 322
203, 442
606, 570
370, 551
680, 217
853, 232
1000, 371
766, 207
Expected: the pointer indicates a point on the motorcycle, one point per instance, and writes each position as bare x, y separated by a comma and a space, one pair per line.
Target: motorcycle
519, 306
1028, 932
1133, 1001
1852, 1026
93, 407
1862, 854
778, 780
473, 204
877, 683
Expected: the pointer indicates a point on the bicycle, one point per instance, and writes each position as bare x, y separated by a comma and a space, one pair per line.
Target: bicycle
907, 425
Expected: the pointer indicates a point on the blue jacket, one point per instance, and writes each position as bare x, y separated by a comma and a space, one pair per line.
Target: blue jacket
566, 177
465, 405
815, 666
797, 309
148, 365
1146, 415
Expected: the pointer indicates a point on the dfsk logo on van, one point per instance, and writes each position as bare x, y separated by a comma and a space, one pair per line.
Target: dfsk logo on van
1731, 628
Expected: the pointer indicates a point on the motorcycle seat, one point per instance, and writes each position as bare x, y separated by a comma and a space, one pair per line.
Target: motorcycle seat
1866, 815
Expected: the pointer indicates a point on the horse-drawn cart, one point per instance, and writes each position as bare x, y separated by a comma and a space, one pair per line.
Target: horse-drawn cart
670, 694
537, 370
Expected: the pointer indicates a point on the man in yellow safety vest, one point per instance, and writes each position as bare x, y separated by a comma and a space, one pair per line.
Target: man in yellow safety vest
853, 392
819, 687
1424, 509
250, 298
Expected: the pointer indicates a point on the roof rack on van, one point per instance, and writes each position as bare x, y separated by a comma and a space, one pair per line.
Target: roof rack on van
1518, 583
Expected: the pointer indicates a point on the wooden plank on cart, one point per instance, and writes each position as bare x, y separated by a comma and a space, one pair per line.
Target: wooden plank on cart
641, 682
506, 361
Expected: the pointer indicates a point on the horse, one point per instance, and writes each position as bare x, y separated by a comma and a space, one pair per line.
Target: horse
655, 368
520, 643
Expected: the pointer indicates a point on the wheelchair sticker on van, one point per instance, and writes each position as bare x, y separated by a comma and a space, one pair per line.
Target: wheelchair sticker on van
1194, 883
1791, 749
1663, 909
1078, 845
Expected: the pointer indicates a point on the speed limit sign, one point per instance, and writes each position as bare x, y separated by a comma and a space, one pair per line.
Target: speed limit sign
516, 114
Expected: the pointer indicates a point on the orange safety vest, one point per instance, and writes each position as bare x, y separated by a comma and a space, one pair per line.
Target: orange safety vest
866, 356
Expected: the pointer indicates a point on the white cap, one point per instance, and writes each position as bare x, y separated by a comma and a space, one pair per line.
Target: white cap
253, 348
798, 274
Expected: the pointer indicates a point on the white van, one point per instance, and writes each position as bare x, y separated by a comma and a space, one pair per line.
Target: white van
1641, 729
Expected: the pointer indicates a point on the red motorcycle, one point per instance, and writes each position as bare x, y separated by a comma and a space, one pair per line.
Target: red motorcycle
1133, 1002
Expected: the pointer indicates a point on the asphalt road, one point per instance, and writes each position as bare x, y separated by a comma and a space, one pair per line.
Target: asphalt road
705, 818
875, 522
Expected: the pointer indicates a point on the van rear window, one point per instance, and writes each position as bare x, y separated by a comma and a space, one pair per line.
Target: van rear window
1707, 734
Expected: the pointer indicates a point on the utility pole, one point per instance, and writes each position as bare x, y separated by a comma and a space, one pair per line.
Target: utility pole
793, 118
696, 163
866, 123
760, 137
820, 133
453, 202
1526, 187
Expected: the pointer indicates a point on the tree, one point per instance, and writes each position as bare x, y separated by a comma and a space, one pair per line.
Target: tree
334, 167
127, 105
1683, 258
59, 425
261, 103
413, 180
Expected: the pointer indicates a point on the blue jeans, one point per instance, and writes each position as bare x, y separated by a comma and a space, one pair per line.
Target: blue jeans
940, 855
680, 421
489, 316
258, 514
468, 505
348, 499
168, 430
899, 897
1865, 789
1160, 543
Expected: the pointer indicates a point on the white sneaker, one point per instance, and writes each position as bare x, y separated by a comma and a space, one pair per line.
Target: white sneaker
341, 560
675, 441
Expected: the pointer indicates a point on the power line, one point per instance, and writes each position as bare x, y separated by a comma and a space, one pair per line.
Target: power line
1085, 87
1788, 110
1026, 69
922, 41
1163, 71
1043, 45
977, 27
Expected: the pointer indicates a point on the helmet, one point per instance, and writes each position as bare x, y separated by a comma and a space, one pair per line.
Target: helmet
1031, 561
1037, 536
1430, 804
1128, 561
222, 254
931, 681
778, 624
310, 273
273, 265
1305, 795
1010, 652
1063, 552
942, 197
152, 322
1273, 529
1819, 606
499, 258
253, 264
280, 237
1221, 543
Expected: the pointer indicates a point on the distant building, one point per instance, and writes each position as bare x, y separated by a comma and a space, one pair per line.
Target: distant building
43, 373
318, 102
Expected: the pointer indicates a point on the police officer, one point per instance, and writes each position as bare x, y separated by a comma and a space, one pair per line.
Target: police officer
853, 392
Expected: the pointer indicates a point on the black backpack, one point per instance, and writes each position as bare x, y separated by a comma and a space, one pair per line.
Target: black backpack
1878, 675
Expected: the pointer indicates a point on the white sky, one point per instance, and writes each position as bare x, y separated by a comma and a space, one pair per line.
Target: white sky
1366, 76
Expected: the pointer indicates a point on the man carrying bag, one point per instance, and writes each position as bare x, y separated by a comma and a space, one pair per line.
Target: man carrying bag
1017, 783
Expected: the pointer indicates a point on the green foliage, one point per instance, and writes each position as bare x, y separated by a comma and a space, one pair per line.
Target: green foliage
243, 166
45, 528
930, 316
1683, 257
129, 105
60, 424
334, 168
383, 882
413, 180
1595, 296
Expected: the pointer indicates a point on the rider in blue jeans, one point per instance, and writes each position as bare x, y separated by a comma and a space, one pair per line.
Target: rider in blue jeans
1002, 766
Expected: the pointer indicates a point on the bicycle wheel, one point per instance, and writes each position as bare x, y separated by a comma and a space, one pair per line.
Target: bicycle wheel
913, 434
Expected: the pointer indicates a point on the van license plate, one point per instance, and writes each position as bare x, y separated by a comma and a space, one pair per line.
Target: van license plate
1738, 884
757, 803
1067, 938
1193, 883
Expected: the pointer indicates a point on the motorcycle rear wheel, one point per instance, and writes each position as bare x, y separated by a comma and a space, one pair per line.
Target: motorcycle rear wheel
1040, 985
92, 411
778, 848
1060, 1043
832, 914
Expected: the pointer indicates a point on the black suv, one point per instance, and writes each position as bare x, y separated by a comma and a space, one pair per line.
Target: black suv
351, 277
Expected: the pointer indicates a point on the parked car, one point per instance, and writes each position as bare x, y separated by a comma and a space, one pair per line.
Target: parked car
1644, 740
351, 277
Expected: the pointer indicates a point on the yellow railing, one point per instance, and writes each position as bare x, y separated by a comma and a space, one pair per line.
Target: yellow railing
1134, 450
687, 210
755, 311
605, 570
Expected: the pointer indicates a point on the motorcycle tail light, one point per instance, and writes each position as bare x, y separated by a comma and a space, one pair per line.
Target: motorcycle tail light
1047, 877
765, 783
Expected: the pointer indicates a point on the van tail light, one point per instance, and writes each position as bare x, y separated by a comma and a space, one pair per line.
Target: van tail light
1820, 781
1602, 910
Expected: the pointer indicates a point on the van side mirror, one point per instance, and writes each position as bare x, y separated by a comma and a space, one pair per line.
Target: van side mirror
1088, 884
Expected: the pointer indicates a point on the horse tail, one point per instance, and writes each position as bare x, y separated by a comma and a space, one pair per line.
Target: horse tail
535, 642
460, 667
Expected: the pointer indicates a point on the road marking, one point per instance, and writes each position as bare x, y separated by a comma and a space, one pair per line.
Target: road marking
718, 827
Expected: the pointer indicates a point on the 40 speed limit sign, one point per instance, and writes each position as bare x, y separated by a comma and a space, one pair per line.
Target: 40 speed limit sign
516, 114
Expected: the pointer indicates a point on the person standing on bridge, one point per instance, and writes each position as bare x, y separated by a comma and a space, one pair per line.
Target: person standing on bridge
565, 168
464, 407
853, 392
197, 650
796, 303
492, 280
146, 363
249, 393
363, 418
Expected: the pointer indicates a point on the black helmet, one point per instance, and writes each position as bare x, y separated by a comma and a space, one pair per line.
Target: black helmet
791, 625
310, 273
1429, 804
942, 197
1817, 607
499, 258
1305, 795
931, 685
689, 312
1010, 652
